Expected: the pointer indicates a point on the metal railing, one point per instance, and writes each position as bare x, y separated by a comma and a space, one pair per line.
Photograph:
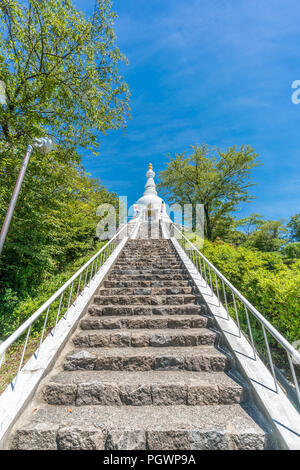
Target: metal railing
222, 288
46, 318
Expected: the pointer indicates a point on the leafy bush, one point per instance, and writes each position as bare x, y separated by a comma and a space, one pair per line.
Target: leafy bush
291, 250
15, 310
264, 279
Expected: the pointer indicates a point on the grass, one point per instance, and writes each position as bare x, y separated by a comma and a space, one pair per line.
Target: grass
11, 362
13, 355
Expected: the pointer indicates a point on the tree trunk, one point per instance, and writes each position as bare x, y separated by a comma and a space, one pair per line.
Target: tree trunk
208, 223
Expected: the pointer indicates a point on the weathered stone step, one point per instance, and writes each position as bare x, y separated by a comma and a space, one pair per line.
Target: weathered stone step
116, 310
143, 388
158, 244
143, 243
172, 321
148, 267
150, 270
149, 259
194, 358
146, 299
148, 254
160, 260
144, 338
147, 251
152, 283
144, 255
148, 277
145, 291
180, 427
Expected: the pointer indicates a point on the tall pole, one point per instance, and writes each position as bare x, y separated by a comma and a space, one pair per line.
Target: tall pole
14, 197
45, 145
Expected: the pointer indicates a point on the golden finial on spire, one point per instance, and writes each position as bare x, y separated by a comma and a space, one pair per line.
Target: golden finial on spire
150, 167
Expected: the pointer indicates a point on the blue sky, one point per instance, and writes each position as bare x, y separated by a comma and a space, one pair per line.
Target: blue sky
213, 71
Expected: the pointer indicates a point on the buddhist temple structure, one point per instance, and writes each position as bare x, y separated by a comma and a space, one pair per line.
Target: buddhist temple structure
150, 207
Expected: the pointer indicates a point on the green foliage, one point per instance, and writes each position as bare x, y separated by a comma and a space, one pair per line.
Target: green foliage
294, 228
60, 71
54, 222
268, 237
16, 308
210, 176
265, 280
251, 223
291, 250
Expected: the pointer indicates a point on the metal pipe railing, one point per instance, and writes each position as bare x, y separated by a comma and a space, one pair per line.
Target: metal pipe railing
83, 273
198, 260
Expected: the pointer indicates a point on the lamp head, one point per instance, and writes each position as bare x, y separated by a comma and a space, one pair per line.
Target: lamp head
43, 145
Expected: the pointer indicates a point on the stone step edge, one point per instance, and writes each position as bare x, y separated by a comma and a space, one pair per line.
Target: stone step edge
139, 393
141, 338
193, 358
154, 321
148, 427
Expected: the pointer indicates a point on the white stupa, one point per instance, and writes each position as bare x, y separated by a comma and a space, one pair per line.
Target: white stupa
150, 207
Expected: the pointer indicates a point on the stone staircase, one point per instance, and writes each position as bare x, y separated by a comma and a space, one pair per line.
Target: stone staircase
145, 369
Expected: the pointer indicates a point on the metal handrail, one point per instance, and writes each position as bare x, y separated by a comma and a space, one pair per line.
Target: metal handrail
100, 257
292, 353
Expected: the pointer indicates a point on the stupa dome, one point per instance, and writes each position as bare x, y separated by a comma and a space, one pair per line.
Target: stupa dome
150, 205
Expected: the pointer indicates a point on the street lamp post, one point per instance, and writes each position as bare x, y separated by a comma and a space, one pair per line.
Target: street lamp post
44, 145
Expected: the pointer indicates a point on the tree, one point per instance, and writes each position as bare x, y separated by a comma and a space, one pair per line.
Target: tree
217, 179
54, 223
251, 223
291, 251
60, 71
61, 78
269, 236
294, 228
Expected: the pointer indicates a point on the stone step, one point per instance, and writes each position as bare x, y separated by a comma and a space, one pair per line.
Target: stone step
135, 272
145, 291
138, 242
141, 254
156, 243
146, 299
148, 253
172, 321
148, 277
147, 266
116, 310
149, 260
143, 388
150, 427
133, 284
143, 258
192, 358
148, 250
144, 337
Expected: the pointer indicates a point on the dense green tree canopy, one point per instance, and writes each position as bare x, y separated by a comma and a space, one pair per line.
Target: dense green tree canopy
60, 72
268, 237
251, 223
60, 75
210, 176
54, 222
294, 228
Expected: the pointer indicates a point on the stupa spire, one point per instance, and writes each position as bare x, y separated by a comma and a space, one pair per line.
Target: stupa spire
150, 186
150, 204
